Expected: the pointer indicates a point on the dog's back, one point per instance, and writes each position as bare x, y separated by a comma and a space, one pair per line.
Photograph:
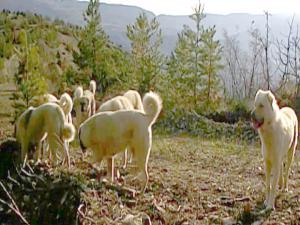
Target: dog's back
22, 123
289, 113
40, 121
116, 103
135, 99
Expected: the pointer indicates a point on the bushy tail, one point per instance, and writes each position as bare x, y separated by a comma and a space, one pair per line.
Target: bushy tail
68, 132
78, 92
152, 106
66, 103
93, 86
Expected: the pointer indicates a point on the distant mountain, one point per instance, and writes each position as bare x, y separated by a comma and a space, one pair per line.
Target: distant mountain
115, 18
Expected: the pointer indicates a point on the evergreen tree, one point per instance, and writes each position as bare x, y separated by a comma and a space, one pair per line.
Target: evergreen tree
194, 64
98, 58
210, 65
146, 58
29, 78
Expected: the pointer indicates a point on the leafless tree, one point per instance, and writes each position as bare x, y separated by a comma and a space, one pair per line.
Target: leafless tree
256, 50
266, 44
288, 57
295, 59
284, 54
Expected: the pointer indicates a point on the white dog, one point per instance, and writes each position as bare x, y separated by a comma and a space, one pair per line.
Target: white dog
41, 99
278, 131
115, 104
129, 101
35, 124
84, 103
66, 104
108, 133
135, 98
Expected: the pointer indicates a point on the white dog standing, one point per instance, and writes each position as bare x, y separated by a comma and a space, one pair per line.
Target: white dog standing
129, 101
35, 124
278, 131
84, 103
108, 133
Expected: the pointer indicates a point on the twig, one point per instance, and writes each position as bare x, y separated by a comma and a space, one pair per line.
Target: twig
84, 216
12, 179
14, 207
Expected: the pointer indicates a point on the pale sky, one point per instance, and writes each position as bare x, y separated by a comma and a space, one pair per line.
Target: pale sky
185, 7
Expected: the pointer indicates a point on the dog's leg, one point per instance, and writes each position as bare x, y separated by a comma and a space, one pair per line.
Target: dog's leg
24, 148
268, 176
290, 158
93, 106
275, 172
280, 184
67, 155
142, 155
129, 155
53, 145
125, 159
37, 153
110, 168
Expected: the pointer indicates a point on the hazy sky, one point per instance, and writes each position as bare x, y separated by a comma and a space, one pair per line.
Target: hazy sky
184, 7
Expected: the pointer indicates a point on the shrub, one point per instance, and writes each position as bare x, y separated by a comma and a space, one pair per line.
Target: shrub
177, 122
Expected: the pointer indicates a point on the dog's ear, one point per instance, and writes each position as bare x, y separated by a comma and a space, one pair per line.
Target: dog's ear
271, 97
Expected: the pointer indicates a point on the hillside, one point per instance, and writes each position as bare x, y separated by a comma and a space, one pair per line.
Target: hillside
54, 43
115, 18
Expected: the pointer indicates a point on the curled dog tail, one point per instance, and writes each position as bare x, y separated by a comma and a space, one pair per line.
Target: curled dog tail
68, 132
78, 92
66, 103
152, 106
93, 86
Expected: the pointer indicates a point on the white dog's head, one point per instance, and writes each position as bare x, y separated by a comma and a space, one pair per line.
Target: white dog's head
265, 108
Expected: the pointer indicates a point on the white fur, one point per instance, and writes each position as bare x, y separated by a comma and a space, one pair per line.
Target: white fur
66, 104
115, 104
135, 99
41, 99
84, 103
78, 92
108, 133
93, 86
278, 131
35, 124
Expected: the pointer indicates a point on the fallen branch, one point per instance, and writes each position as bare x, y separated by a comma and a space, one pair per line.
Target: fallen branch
84, 216
14, 206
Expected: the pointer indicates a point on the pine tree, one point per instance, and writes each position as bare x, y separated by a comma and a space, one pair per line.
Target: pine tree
146, 58
210, 65
29, 78
194, 64
98, 58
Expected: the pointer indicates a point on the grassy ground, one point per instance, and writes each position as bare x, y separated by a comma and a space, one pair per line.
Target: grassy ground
192, 181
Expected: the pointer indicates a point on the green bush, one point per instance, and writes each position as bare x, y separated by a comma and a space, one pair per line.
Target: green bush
179, 121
